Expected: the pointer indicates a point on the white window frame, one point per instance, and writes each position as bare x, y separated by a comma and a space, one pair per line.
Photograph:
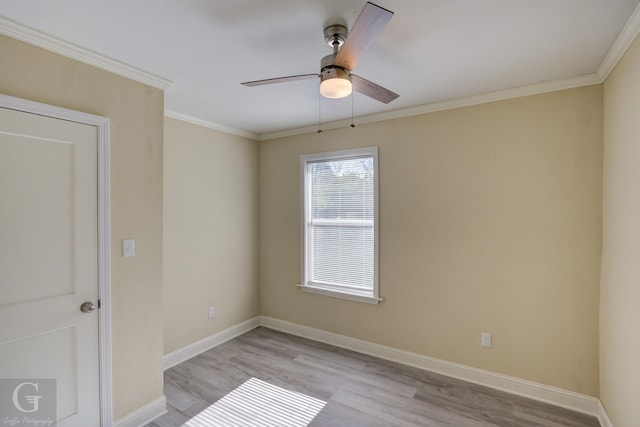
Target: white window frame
367, 296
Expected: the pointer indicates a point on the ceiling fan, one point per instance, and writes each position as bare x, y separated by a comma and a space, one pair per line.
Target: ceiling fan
336, 78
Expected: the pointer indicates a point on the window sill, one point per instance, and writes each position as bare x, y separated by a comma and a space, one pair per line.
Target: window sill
337, 294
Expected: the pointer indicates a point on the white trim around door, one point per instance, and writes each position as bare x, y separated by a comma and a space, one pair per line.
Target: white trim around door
104, 234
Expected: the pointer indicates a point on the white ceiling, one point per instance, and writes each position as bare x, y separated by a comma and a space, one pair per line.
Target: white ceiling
431, 50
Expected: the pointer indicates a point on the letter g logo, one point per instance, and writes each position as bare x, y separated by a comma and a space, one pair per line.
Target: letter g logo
33, 400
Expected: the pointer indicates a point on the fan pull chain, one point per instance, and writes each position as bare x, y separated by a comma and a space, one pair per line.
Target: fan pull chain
319, 113
352, 96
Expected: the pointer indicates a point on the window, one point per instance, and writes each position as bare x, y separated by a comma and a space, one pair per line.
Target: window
340, 224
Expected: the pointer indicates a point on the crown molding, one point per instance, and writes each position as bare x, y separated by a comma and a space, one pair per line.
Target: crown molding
628, 34
32, 36
210, 125
27, 34
516, 92
500, 95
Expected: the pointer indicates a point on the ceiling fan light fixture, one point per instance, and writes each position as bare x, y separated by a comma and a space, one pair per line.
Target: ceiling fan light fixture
336, 88
335, 83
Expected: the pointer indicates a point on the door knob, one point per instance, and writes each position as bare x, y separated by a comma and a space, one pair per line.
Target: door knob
87, 307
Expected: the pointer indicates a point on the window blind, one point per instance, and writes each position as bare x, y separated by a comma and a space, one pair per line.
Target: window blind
341, 223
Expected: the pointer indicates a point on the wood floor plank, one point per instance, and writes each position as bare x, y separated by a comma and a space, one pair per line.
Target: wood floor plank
311, 362
339, 415
360, 390
180, 398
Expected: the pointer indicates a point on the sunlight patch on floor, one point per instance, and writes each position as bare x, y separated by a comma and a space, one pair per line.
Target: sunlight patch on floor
258, 403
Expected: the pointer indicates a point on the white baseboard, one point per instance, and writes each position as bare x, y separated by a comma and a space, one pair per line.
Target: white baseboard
185, 353
556, 396
144, 414
563, 398
603, 417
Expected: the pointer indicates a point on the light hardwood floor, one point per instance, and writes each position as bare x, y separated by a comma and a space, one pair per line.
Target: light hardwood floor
360, 390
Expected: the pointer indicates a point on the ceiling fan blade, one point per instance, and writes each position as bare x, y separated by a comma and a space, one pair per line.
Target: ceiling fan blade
372, 90
370, 22
281, 80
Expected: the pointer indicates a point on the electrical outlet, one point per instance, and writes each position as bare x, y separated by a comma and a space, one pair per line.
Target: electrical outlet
485, 339
211, 312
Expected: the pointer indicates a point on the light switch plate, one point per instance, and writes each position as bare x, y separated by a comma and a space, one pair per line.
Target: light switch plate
128, 248
485, 339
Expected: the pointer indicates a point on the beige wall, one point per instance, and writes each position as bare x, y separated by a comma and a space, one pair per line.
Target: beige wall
620, 288
490, 220
136, 113
210, 231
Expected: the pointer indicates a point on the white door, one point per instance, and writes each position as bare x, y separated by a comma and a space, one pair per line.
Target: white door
48, 259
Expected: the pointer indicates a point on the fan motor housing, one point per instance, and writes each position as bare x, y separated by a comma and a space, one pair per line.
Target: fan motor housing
333, 71
327, 61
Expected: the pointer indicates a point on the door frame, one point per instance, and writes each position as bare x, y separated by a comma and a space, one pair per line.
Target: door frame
104, 235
